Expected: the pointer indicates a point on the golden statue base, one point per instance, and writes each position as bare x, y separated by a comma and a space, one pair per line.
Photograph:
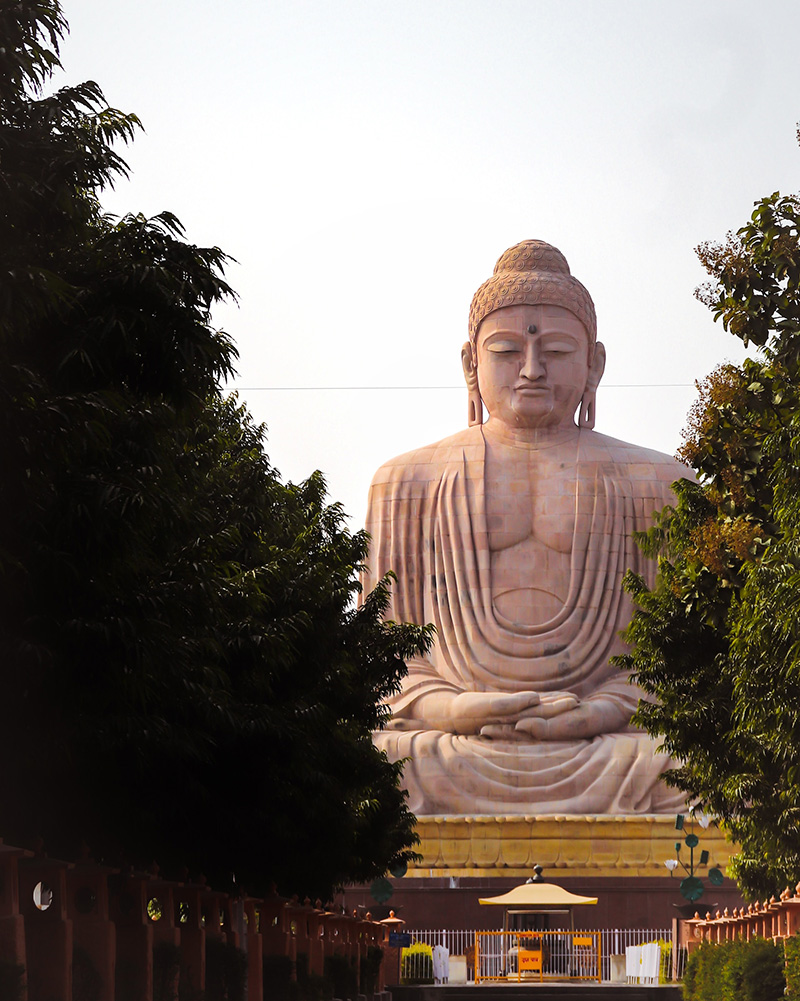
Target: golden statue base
579, 846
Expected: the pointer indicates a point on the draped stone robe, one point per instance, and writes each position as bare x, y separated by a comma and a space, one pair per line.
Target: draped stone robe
427, 519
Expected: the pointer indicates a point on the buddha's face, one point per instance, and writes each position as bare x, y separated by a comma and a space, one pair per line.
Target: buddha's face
534, 364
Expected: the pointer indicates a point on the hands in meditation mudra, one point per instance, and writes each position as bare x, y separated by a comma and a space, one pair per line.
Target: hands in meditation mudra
512, 537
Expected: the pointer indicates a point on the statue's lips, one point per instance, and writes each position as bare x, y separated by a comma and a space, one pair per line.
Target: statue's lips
532, 390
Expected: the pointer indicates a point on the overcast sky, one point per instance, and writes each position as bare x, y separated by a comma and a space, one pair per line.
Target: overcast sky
366, 162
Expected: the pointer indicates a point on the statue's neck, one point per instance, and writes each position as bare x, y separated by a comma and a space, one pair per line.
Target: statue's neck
541, 437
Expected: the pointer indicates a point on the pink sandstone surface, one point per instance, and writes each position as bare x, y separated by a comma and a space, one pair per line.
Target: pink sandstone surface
512, 538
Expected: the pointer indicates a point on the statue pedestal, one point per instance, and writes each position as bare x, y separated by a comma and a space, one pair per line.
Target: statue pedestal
620, 860
565, 846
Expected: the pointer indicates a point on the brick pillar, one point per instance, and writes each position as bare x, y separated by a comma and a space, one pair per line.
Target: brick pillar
48, 930
391, 954
93, 931
302, 918
12, 923
193, 935
232, 920
316, 941
292, 916
212, 915
128, 909
274, 926
793, 914
166, 937
255, 969
273, 930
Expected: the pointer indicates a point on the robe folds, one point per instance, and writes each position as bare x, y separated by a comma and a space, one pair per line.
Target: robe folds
428, 523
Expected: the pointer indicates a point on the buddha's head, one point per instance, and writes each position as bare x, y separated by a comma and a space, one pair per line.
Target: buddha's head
532, 357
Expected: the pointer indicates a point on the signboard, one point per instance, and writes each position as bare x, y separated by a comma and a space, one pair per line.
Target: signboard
399, 939
582, 940
530, 959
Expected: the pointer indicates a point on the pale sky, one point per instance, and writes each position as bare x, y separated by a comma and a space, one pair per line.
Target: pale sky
366, 162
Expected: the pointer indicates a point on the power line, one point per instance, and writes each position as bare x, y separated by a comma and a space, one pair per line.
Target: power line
351, 389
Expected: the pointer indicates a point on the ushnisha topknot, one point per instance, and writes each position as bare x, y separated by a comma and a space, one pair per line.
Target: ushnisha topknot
532, 272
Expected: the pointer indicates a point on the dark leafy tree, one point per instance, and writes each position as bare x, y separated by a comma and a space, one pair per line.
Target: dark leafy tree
184, 676
717, 642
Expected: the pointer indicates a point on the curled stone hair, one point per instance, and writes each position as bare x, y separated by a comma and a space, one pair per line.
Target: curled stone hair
534, 273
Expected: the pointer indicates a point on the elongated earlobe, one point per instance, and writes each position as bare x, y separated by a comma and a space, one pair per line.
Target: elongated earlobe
474, 408
586, 413
474, 402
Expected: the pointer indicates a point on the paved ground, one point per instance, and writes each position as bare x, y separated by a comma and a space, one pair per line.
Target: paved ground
537, 992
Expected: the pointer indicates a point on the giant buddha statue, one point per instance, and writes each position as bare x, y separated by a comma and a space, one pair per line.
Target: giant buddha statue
512, 538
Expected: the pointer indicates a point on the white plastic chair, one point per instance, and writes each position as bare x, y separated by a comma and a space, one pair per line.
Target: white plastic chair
633, 963
441, 964
651, 960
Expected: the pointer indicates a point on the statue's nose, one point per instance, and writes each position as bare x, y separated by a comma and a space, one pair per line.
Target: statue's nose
533, 366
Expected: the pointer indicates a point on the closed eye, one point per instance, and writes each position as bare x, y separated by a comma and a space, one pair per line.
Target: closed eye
559, 347
503, 347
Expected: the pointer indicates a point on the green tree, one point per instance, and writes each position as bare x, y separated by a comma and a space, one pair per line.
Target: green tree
717, 642
184, 675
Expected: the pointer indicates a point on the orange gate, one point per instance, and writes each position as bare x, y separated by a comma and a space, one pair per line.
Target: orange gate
537, 955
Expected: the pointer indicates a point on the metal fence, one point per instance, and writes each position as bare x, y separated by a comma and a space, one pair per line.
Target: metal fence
613, 942
537, 955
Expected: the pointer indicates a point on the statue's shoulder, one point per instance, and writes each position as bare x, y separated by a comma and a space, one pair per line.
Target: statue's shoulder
426, 464
641, 462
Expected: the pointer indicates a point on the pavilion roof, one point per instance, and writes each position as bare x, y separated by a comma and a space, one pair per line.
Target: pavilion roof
538, 895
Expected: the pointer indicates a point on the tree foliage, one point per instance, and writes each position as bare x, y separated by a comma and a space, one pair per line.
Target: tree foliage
717, 642
184, 675
736, 970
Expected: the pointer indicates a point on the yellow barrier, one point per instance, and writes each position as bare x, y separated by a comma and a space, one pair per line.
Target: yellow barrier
537, 955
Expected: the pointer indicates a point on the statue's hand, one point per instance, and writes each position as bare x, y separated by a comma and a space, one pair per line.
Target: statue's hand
580, 721
550, 704
471, 712
465, 712
497, 715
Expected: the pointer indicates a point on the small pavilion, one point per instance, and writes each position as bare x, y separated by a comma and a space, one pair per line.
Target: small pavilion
537, 897
526, 949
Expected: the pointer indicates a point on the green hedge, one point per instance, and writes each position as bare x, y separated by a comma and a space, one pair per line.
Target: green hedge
370, 969
226, 971
735, 971
342, 975
285, 980
11, 988
791, 950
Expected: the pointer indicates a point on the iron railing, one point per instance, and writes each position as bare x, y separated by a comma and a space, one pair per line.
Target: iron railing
613, 942
537, 955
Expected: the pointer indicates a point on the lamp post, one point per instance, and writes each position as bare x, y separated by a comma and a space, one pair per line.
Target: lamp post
692, 886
